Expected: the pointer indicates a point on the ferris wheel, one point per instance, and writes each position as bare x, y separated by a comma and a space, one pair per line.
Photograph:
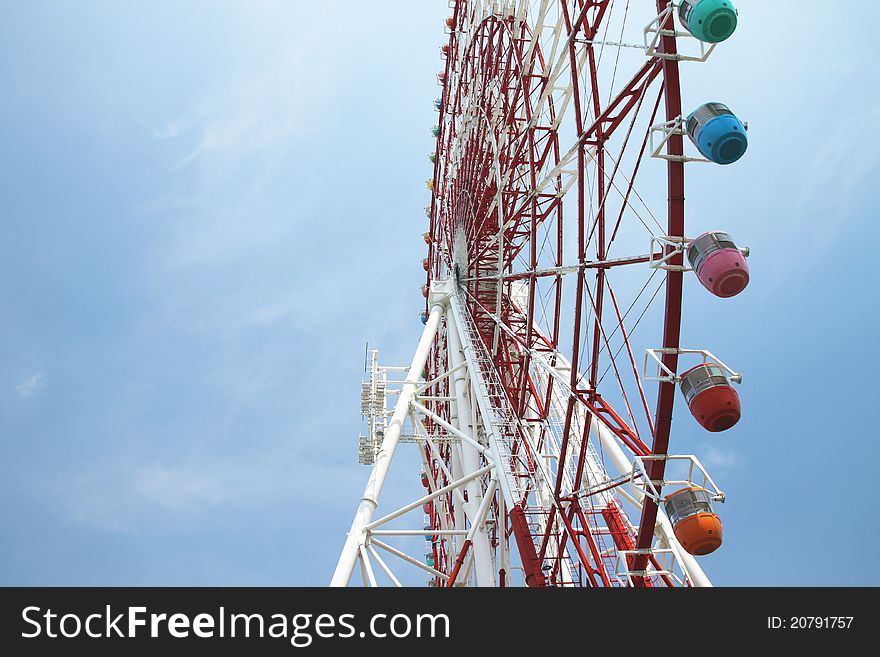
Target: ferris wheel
540, 397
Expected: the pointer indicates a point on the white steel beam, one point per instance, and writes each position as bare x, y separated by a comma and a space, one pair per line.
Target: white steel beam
384, 566
365, 560
357, 535
458, 507
455, 323
482, 549
430, 497
415, 562
466, 439
663, 528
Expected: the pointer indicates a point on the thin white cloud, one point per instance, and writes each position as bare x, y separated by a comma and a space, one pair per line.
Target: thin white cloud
134, 498
30, 386
238, 147
185, 489
169, 130
721, 458
193, 155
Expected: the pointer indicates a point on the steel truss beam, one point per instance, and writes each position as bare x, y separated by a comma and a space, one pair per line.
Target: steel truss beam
476, 463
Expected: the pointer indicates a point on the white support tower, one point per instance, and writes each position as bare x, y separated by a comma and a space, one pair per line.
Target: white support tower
479, 479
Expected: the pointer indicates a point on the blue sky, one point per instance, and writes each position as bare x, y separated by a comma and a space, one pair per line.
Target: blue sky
207, 208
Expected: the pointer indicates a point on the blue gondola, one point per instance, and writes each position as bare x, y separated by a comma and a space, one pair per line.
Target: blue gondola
718, 134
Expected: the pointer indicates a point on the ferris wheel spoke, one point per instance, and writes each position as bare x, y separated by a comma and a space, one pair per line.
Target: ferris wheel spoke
626, 343
565, 270
594, 365
629, 181
546, 97
605, 125
631, 184
582, 394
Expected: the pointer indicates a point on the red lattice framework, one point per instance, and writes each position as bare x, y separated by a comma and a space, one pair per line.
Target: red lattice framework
535, 192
